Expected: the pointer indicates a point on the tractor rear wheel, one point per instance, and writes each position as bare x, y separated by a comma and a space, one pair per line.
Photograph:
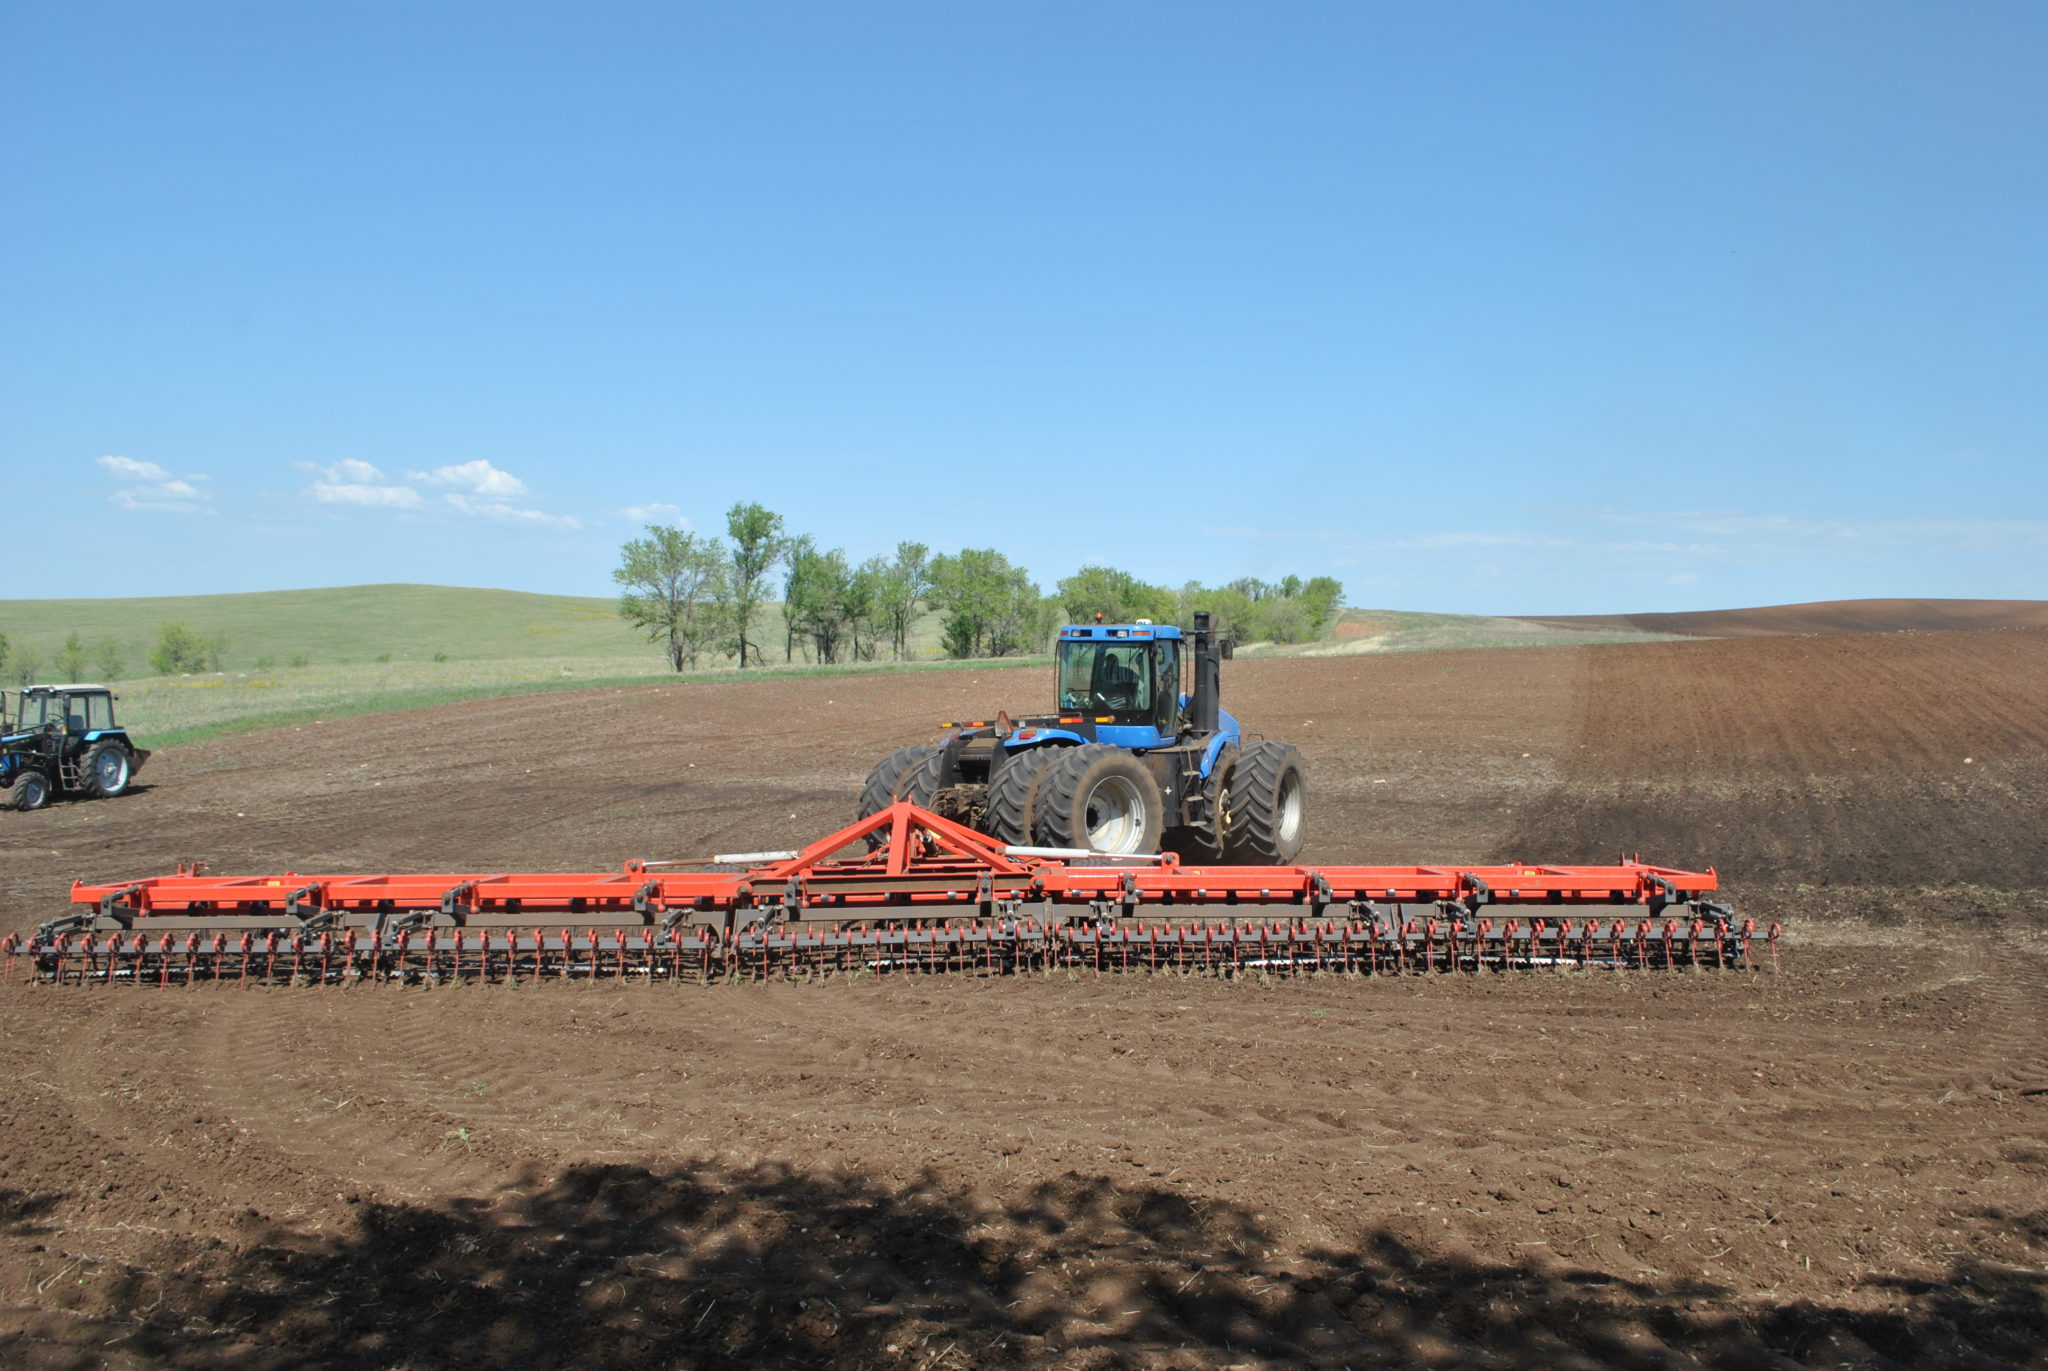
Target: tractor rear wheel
924, 780
885, 783
31, 789
107, 769
1013, 794
1100, 798
1268, 805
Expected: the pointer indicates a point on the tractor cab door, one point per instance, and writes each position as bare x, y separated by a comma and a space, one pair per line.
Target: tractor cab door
91, 713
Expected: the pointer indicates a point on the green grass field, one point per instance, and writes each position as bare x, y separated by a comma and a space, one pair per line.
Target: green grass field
294, 655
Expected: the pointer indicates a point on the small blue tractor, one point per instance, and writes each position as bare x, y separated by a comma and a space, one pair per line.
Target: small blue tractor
1129, 764
63, 741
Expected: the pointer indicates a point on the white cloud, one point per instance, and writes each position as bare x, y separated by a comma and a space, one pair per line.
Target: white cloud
128, 469
479, 477
148, 488
353, 482
485, 492
500, 512
655, 513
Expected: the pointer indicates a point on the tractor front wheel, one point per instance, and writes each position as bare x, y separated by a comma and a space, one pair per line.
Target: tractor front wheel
107, 770
1103, 799
31, 789
1268, 799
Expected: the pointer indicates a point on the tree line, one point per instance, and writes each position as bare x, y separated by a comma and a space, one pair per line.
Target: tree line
179, 650
699, 595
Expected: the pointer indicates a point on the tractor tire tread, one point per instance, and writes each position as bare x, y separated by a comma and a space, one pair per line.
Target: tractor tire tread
1013, 794
885, 783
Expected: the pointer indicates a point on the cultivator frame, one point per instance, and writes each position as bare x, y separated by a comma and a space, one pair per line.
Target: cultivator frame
930, 895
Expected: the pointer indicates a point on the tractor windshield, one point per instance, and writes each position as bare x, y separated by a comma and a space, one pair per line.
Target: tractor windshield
1138, 682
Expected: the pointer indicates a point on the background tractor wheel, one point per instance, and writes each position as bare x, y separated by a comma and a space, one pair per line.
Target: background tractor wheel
107, 770
31, 789
1013, 794
924, 780
1268, 805
1101, 798
885, 783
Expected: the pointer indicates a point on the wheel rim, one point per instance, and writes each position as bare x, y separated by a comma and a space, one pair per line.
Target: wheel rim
1287, 819
1116, 816
112, 771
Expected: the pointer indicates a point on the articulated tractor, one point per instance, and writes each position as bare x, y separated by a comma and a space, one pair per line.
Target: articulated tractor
1128, 764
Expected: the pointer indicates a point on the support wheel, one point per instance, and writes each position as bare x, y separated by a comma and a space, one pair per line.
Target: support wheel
1100, 798
1268, 817
107, 769
1013, 794
31, 789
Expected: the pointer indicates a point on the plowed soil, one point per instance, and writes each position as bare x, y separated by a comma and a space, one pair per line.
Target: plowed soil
1826, 616
1840, 1163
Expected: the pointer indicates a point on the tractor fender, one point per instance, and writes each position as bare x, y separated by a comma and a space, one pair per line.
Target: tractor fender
1058, 737
1226, 736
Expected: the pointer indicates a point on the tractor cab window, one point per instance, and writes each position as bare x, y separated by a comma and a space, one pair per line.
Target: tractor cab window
1110, 678
97, 709
37, 710
1138, 682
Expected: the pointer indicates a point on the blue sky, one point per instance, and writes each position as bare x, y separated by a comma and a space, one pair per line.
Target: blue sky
1477, 307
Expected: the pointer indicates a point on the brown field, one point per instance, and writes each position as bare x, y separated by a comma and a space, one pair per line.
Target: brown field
1827, 616
1843, 1163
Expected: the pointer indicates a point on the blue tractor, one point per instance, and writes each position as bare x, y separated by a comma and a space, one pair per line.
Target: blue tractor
1130, 763
63, 741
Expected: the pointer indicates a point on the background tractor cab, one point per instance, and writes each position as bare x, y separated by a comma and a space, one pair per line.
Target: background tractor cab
64, 740
1129, 763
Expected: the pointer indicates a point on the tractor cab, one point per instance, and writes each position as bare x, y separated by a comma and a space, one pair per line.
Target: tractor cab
1124, 679
79, 709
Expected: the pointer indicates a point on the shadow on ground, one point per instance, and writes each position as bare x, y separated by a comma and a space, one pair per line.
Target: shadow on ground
620, 1267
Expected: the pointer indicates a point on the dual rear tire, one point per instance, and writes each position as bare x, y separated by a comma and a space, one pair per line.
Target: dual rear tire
1265, 805
1104, 799
1100, 798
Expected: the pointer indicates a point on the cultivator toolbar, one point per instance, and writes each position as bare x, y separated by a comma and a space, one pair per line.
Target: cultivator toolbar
901, 891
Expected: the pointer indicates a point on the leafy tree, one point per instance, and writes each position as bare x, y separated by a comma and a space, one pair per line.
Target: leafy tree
1322, 595
991, 606
865, 589
908, 583
757, 546
3, 652
107, 661
1116, 595
178, 649
71, 658
673, 581
816, 604
23, 662
216, 648
794, 550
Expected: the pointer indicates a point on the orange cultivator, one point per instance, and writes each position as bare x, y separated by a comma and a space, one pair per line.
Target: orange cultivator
902, 890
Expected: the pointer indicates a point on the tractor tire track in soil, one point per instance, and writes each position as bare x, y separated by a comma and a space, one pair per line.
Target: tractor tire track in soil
1843, 1163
